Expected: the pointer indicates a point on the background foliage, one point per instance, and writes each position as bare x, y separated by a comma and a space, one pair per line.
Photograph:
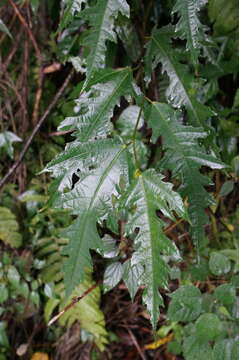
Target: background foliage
138, 106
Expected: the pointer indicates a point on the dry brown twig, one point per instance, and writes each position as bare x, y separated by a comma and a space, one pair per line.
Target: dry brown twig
40, 78
36, 129
74, 301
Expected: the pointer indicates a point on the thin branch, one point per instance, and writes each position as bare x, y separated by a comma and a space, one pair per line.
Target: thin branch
74, 301
39, 60
134, 340
36, 129
24, 23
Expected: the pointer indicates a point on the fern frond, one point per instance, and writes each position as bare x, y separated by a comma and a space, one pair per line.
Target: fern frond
180, 91
101, 21
189, 27
49, 249
147, 194
87, 310
9, 228
185, 157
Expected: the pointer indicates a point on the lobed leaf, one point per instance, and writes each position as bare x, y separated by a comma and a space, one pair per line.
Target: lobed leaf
180, 91
101, 21
185, 157
189, 27
147, 194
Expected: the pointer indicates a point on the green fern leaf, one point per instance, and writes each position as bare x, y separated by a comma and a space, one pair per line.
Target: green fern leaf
185, 158
147, 194
189, 27
101, 20
49, 249
9, 228
224, 15
180, 91
87, 312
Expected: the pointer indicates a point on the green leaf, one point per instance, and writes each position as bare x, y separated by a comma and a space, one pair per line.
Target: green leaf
98, 103
189, 27
92, 125
71, 9
49, 249
88, 200
4, 343
147, 194
195, 350
127, 120
3, 293
180, 91
224, 15
226, 294
87, 312
13, 276
9, 228
131, 276
101, 21
113, 275
226, 188
208, 327
129, 37
4, 28
232, 254
184, 157
227, 349
174, 347
109, 247
7, 138
219, 264
186, 304
97, 165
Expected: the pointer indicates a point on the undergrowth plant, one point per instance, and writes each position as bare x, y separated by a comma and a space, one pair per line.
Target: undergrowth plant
142, 156
151, 133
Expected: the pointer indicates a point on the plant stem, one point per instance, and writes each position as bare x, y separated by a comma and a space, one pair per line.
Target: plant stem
134, 136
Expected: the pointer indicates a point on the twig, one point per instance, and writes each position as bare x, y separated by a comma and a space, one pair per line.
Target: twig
12, 52
24, 23
35, 130
38, 95
60, 133
74, 301
136, 344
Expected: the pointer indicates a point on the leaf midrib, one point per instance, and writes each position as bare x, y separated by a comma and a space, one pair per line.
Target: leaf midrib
188, 102
106, 104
